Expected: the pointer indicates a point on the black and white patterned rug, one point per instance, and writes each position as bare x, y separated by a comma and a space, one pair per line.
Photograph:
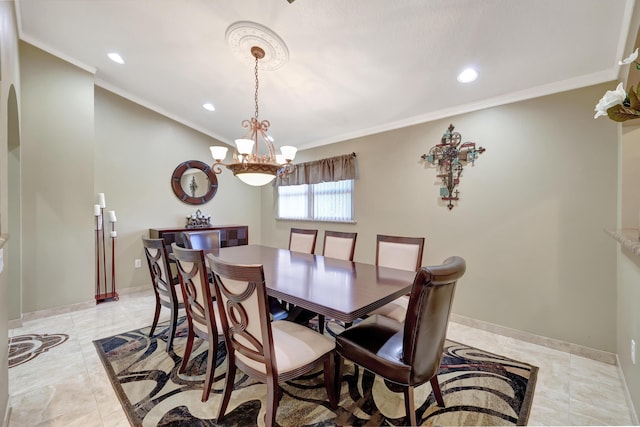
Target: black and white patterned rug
479, 388
23, 348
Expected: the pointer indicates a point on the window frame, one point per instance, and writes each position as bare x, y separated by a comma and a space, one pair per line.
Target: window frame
310, 205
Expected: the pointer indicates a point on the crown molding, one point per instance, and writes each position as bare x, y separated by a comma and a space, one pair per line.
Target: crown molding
523, 95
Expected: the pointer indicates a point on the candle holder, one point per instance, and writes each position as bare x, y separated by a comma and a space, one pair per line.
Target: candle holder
113, 260
198, 220
101, 254
104, 251
98, 282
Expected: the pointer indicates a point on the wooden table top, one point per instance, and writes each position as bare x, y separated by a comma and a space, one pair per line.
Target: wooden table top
342, 290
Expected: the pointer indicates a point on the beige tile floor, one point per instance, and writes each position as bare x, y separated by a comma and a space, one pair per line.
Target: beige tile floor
67, 385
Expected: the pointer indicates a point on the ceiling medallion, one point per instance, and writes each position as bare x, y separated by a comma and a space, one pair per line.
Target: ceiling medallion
243, 35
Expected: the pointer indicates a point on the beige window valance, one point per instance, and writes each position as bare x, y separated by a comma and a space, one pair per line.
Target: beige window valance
324, 170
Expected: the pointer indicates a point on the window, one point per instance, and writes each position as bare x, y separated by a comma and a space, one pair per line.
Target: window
326, 201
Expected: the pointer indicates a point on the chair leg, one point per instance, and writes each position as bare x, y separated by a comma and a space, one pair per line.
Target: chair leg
156, 316
187, 350
435, 385
172, 327
228, 386
272, 402
329, 380
410, 406
211, 367
339, 369
321, 323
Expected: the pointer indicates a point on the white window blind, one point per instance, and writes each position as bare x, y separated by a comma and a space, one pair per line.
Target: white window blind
326, 201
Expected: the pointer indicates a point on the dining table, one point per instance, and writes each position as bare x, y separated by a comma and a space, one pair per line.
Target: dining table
338, 289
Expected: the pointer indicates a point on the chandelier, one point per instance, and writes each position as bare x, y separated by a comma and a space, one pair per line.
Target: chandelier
247, 164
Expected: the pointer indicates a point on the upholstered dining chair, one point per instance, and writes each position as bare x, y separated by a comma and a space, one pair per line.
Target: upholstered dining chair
408, 353
300, 240
202, 239
165, 287
404, 253
339, 245
303, 240
203, 318
270, 352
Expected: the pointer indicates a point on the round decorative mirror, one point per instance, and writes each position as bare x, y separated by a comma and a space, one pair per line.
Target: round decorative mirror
194, 183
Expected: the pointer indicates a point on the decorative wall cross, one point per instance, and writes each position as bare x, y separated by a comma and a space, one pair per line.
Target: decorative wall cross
450, 157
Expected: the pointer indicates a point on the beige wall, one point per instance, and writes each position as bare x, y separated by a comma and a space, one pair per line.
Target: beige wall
57, 181
529, 222
628, 327
628, 317
630, 212
81, 140
136, 153
9, 101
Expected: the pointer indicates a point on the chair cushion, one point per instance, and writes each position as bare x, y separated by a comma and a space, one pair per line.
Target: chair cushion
396, 309
402, 256
338, 247
302, 243
376, 344
294, 346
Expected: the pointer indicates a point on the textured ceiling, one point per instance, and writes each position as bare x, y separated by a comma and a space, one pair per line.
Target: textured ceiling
355, 66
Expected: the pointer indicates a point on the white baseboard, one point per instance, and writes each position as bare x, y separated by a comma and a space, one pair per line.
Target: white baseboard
578, 350
73, 307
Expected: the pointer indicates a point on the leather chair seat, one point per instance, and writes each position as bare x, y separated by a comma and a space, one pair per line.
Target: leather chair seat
376, 343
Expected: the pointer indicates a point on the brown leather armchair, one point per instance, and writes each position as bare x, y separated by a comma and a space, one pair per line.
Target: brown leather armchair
408, 353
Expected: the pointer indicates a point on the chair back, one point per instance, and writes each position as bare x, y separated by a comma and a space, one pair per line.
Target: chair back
425, 326
242, 296
196, 290
157, 256
203, 239
404, 253
340, 245
303, 240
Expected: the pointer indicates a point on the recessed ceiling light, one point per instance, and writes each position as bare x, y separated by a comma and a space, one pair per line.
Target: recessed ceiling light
209, 106
468, 75
115, 57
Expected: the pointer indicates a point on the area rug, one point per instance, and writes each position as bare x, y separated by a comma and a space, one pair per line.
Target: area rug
479, 388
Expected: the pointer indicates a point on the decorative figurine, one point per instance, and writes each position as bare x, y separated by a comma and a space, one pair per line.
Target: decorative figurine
198, 220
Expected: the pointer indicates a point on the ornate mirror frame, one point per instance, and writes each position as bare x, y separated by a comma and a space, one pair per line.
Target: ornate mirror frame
176, 185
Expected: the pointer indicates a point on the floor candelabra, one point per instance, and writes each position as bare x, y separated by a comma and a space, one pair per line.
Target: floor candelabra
103, 292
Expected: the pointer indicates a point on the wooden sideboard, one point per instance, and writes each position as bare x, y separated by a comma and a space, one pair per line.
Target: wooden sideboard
230, 235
